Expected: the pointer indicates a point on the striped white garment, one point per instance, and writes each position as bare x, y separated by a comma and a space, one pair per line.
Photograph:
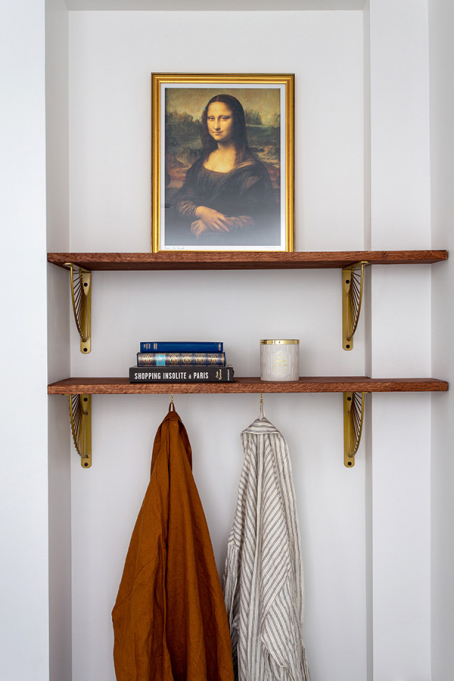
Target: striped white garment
263, 579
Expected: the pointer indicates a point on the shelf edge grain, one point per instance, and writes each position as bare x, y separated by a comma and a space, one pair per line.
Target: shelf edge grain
228, 260
327, 384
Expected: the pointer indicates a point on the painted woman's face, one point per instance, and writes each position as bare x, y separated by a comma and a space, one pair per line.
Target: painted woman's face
220, 122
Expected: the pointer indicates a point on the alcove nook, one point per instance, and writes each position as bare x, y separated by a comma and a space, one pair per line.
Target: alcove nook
373, 151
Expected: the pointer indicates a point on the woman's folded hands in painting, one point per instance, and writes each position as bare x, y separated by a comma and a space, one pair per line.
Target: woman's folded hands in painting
214, 221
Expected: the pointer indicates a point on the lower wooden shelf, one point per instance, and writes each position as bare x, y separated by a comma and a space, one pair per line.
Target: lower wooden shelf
352, 387
311, 384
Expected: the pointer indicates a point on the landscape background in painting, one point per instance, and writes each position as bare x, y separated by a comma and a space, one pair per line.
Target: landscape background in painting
183, 114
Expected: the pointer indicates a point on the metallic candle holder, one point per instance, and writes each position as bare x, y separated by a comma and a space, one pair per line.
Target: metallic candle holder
279, 360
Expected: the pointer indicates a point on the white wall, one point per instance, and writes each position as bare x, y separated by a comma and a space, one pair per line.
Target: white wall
400, 340
110, 113
358, 517
362, 178
111, 58
441, 24
24, 619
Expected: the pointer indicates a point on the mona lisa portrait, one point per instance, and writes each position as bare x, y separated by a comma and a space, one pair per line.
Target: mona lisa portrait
222, 170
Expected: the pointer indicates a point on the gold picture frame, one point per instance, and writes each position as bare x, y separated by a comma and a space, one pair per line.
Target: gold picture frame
222, 162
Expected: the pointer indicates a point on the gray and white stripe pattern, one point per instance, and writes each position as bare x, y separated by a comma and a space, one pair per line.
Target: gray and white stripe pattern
263, 580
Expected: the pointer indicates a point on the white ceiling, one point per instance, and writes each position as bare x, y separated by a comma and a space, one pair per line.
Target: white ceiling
216, 5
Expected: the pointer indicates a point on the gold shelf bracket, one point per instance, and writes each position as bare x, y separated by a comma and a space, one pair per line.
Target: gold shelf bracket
353, 425
81, 299
80, 416
352, 296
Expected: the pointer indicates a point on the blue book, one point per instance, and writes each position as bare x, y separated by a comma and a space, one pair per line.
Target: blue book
181, 346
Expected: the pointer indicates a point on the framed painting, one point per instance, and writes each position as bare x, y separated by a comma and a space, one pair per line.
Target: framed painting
222, 162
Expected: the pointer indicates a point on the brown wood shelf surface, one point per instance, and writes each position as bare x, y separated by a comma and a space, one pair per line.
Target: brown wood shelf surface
312, 384
208, 260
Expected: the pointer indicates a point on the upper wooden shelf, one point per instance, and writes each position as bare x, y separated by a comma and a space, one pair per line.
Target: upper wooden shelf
242, 260
312, 384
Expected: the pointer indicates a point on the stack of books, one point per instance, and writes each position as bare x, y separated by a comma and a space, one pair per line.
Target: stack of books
181, 362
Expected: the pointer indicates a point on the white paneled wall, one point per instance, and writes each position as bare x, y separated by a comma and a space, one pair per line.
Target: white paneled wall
441, 25
24, 565
400, 340
362, 180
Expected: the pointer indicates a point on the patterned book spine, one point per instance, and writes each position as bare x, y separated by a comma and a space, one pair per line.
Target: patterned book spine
181, 346
181, 374
180, 358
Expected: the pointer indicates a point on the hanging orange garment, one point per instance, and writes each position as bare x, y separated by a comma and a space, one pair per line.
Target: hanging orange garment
169, 619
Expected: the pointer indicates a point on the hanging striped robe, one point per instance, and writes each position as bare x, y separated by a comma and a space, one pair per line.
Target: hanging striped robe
263, 580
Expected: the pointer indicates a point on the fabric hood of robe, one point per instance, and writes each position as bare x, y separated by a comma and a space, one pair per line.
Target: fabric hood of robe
263, 579
169, 618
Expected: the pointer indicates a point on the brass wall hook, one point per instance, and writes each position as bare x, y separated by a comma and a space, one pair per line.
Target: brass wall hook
261, 407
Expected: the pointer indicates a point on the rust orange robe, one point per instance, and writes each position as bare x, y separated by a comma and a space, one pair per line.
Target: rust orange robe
170, 622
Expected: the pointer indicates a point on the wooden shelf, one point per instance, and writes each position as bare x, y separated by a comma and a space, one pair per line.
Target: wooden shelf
209, 260
312, 384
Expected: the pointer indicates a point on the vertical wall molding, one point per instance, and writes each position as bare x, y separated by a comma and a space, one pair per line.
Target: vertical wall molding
400, 213
24, 618
441, 28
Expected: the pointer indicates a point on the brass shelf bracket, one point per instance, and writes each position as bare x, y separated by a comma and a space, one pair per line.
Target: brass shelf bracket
352, 296
81, 299
353, 425
80, 416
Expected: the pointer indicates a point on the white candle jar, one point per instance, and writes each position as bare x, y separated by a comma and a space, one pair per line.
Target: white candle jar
279, 360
